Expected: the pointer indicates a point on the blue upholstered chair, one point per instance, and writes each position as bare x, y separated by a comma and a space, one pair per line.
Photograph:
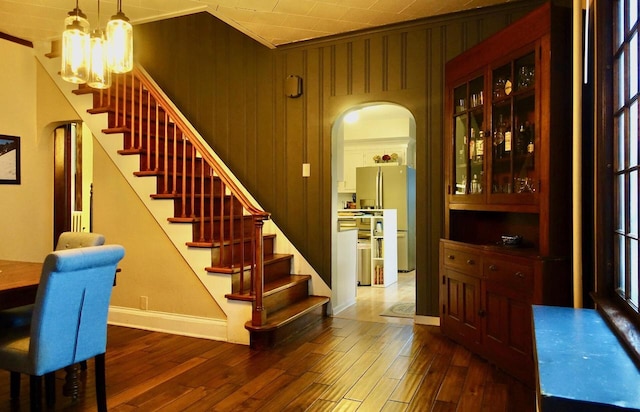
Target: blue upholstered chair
21, 315
73, 240
69, 322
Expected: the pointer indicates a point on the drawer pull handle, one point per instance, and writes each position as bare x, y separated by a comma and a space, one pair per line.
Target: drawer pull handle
470, 262
493, 267
519, 275
482, 313
451, 257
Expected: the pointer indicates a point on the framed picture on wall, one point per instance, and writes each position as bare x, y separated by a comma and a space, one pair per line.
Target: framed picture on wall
9, 160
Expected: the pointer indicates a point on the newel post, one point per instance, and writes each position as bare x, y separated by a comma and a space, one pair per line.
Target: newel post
259, 316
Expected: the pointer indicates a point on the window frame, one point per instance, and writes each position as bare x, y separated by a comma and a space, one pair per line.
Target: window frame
624, 320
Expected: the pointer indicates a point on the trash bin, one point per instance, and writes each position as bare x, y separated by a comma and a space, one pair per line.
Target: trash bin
363, 262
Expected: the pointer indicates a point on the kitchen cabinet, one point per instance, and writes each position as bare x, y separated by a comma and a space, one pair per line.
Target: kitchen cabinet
507, 229
360, 154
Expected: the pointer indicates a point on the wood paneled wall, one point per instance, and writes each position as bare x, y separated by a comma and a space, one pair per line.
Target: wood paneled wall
232, 89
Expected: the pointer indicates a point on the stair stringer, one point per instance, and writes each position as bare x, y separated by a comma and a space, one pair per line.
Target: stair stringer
217, 285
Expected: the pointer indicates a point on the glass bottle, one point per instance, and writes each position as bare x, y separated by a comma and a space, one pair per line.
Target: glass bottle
531, 145
507, 138
521, 140
480, 146
498, 139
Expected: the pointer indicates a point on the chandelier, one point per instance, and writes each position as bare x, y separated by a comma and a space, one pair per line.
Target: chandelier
91, 58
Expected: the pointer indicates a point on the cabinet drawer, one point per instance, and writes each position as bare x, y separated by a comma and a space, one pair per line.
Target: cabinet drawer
510, 275
468, 262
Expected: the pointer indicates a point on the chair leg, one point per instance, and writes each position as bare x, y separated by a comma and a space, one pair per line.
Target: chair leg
71, 385
101, 383
14, 385
35, 393
50, 389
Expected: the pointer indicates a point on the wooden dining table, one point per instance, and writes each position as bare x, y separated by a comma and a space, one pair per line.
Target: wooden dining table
18, 282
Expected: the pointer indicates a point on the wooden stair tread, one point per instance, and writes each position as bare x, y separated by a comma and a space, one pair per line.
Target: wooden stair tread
289, 314
270, 288
113, 130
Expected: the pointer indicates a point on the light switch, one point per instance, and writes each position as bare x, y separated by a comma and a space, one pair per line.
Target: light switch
306, 169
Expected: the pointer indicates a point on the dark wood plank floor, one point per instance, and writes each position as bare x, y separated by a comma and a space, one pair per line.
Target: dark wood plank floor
342, 365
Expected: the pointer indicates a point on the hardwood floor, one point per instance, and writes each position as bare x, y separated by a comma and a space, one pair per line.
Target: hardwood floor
371, 302
341, 365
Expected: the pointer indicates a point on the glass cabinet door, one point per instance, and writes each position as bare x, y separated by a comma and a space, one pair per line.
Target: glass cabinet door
469, 138
513, 129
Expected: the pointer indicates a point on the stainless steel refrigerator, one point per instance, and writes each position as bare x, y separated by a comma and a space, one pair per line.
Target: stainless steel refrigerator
392, 187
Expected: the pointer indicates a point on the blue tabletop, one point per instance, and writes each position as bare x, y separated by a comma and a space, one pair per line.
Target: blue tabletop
581, 365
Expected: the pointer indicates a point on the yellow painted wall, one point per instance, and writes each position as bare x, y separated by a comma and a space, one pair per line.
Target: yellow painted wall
31, 107
152, 267
27, 218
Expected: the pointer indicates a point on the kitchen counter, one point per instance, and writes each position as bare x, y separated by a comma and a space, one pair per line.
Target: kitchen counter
343, 279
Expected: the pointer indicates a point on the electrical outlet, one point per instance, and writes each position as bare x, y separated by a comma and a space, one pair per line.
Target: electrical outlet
306, 169
144, 302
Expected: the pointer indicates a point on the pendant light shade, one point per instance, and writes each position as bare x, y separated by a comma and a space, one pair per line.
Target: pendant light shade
120, 38
75, 47
99, 73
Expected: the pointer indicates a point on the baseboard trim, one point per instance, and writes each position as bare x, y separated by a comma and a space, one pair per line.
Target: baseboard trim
427, 320
176, 324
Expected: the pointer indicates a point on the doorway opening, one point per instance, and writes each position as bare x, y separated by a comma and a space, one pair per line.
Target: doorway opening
377, 138
72, 159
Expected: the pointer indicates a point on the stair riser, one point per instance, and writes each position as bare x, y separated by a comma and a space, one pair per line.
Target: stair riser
276, 270
163, 126
272, 270
286, 297
110, 101
268, 244
238, 229
172, 144
278, 336
200, 186
150, 162
193, 210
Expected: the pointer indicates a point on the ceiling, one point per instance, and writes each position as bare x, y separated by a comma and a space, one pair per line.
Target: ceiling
270, 22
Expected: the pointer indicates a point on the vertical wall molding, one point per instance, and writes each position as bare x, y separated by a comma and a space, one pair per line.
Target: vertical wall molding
367, 66
305, 97
385, 63
403, 60
333, 69
350, 68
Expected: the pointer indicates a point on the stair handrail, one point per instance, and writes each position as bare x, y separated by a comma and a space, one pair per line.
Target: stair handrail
215, 163
203, 147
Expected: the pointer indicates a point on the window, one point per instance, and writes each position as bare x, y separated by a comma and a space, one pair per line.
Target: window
626, 275
616, 112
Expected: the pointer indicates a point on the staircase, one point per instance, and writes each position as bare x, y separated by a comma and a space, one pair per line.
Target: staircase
221, 216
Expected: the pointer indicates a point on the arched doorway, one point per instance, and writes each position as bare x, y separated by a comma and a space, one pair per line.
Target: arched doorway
370, 136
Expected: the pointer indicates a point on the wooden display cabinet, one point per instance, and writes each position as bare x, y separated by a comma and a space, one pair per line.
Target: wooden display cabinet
507, 173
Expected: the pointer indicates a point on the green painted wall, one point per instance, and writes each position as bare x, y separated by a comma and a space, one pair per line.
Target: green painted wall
232, 89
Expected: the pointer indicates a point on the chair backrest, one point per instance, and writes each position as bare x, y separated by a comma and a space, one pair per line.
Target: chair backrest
72, 240
69, 321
